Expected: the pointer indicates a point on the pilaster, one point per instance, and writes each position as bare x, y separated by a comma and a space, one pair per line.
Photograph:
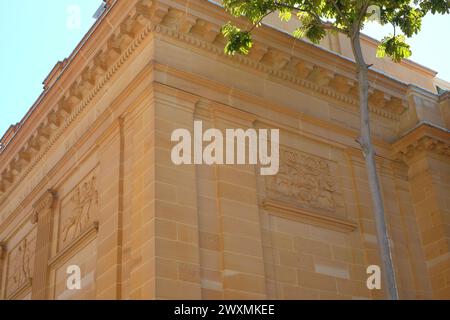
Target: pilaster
109, 238
426, 151
231, 231
42, 216
176, 222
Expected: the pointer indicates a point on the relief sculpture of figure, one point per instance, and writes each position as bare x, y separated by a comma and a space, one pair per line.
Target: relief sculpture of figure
83, 198
21, 265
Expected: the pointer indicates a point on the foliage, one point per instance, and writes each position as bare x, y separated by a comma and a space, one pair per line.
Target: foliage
395, 47
241, 41
345, 16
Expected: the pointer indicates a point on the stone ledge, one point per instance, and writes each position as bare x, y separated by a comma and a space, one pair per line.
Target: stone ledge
21, 289
81, 239
290, 212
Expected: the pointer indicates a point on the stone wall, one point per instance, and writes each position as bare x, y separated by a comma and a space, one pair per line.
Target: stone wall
88, 179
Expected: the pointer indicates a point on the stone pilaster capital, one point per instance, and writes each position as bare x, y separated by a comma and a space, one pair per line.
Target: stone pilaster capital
45, 202
425, 138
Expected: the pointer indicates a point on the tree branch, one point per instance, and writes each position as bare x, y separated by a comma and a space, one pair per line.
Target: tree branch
260, 20
324, 24
339, 11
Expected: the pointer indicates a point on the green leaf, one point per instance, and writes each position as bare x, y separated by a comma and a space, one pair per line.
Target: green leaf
309, 28
435, 6
315, 33
285, 15
342, 15
299, 33
238, 41
394, 47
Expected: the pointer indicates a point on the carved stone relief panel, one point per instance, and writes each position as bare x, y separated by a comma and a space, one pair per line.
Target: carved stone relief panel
78, 210
21, 264
306, 181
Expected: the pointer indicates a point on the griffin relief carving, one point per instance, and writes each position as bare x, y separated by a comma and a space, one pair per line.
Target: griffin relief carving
303, 179
83, 199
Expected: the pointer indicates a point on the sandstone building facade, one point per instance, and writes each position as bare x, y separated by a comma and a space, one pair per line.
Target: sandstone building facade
86, 178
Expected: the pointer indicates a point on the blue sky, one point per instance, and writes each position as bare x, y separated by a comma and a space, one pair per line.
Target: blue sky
431, 47
37, 34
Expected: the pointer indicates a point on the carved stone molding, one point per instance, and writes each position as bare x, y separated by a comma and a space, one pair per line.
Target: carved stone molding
21, 290
75, 244
304, 180
21, 265
287, 211
284, 66
157, 17
425, 138
78, 210
91, 80
429, 144
46, 202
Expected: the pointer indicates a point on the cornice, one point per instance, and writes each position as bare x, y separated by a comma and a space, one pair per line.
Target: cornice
294, 70
444, 96
104, 65
39, 185
424, 138
414, 90
161, 17
406, 62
